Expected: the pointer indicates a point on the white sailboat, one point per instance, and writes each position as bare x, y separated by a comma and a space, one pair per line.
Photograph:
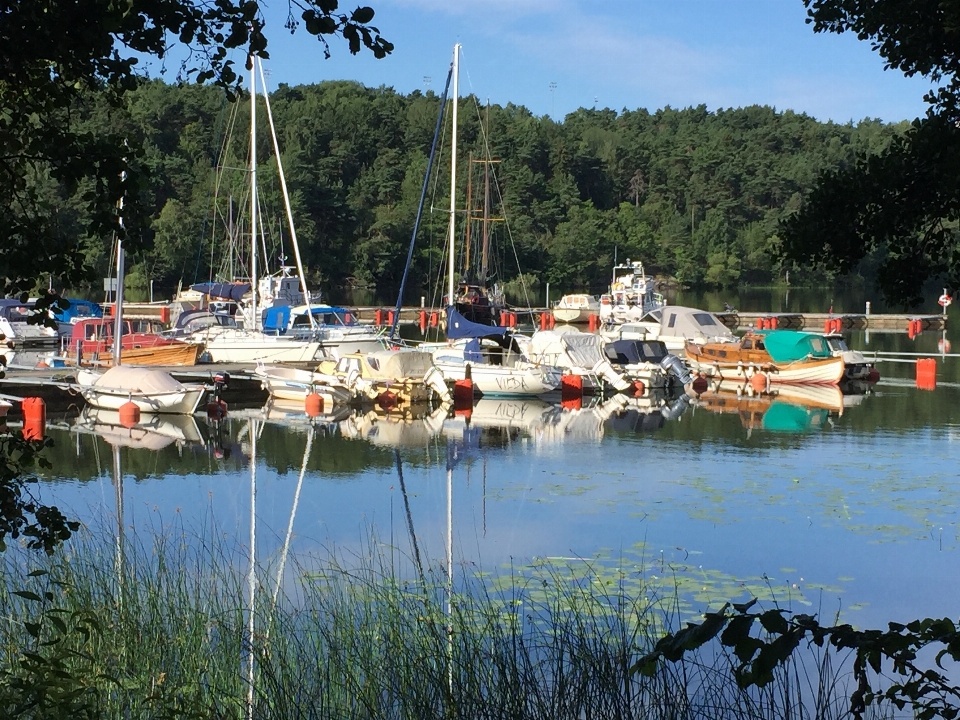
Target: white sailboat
253, 342
492, 361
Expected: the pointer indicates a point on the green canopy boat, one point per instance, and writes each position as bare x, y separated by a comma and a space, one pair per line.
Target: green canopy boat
787, 346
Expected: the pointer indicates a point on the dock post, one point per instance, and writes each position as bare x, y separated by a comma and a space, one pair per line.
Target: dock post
868, 308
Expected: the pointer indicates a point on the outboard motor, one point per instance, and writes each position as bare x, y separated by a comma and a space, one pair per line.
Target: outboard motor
674, 365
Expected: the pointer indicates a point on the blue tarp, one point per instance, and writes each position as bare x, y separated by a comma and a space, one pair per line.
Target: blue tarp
78, 308
459, 327
277, 319
224, 291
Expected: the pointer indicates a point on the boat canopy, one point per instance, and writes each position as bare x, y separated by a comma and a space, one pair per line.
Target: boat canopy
633, 352
138, 380
224, 291
398, 364
787, 346
459, 327
78, 308
691, 323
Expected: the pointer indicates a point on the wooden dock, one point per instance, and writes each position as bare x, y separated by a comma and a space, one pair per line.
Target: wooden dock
817, 321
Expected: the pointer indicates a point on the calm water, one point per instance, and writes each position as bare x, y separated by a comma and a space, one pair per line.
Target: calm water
827, 503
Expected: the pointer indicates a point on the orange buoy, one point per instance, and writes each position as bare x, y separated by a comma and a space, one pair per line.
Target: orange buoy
553, 321
873, 376
759, 382
571, 403
434, 319
129, 414
378, 317
759, 323
390, 317
774, 321
423, 321
313, 404
638, 388
543, 321
511, 319
827, 326
34, 418
927, 374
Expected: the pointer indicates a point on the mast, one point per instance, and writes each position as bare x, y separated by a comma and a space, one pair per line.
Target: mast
469, 221
453, 174
286, 201
485, 251
118, 295
253, 190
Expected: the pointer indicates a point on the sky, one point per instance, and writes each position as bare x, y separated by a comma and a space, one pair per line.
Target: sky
554, 56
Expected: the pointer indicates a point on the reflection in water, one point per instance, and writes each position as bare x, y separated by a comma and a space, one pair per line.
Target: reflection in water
845, 491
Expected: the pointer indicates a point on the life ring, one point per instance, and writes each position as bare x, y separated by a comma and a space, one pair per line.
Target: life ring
944, 300
618, 286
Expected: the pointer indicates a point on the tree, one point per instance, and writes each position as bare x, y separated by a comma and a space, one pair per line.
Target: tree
55, 55
60, 61
904, 202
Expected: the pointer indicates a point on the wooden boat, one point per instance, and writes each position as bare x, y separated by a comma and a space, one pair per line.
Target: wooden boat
151, 390
783, 356
576, 308
94, 337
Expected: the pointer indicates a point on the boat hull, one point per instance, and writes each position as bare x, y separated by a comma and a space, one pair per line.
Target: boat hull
292, 385
238, 346
183, 354
828, 371
502, 381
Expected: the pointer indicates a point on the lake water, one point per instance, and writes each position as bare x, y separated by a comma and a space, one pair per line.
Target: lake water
824, 503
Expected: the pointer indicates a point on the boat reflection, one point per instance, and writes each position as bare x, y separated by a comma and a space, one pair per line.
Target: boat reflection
781, 408
152, 432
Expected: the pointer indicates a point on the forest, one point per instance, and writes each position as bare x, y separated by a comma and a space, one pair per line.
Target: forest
697, 195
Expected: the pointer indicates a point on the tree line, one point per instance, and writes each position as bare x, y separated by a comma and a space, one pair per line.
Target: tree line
698, 195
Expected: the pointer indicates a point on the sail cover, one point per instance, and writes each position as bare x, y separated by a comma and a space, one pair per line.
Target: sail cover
223, 291
459, 327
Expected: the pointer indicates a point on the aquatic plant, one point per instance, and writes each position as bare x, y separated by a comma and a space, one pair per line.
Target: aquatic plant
160, 628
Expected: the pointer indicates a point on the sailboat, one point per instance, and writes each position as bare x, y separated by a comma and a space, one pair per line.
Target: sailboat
151, 390
253, 341
485, 353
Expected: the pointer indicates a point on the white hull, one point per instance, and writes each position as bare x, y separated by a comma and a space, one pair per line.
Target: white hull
244, 346
292, 385
816, 372
183, 400
502, 381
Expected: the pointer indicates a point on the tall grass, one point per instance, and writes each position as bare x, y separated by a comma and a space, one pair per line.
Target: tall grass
359, 638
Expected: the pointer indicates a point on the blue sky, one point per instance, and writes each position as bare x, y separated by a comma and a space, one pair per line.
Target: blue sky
617, 54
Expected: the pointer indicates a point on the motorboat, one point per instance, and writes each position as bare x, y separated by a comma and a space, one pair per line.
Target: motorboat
335, 327
856, 365
576, 353
576, 308
15, 326
152, 432
391, 378
292, 384
150, 389
91, 342
781, 356
648, 361
632, 294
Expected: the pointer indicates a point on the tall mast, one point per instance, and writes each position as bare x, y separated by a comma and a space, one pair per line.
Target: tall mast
469, 219
485, 252
253, 190
118, 295
453, 173
286, 201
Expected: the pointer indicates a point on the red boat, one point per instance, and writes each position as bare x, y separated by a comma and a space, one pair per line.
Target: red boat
95, 340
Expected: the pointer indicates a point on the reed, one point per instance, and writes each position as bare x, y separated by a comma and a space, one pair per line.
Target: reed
158, 628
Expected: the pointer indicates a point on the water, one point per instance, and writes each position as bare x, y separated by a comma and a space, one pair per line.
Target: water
835, 505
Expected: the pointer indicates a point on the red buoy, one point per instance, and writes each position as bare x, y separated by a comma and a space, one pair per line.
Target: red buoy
873, 376
378, 317
434, 319
463, 393
129, 414
700, 385
313, 404
638, 388
571, 386
34, 418
759, 323
774, 322
423, 321
571, 403
387, 400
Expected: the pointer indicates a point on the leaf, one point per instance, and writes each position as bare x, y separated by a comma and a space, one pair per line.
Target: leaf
362, 15
27, 595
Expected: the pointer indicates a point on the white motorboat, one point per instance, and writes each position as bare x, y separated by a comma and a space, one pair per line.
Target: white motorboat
238, 345
632, 295
647, 361
576, 308
855, 364
153, 432
14, 325
495, 370
575, 352
293, 385
151, 390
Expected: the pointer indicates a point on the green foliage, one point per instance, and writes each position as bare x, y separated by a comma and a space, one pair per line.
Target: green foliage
898, 203
928, 692
694, 194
